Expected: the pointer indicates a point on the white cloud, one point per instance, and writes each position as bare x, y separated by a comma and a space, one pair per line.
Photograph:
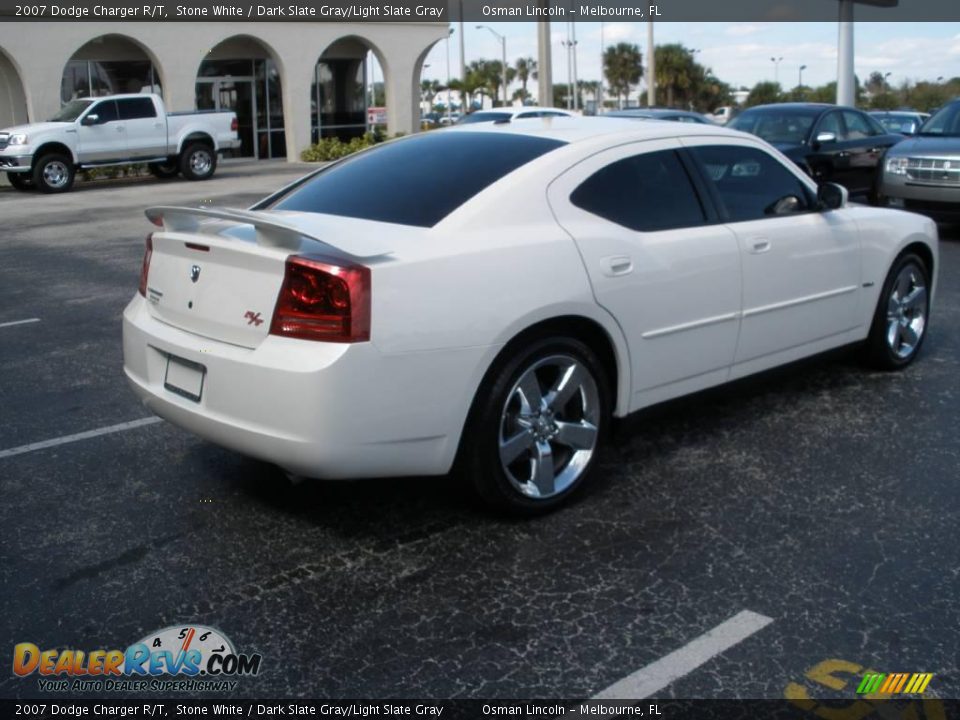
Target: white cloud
739, 30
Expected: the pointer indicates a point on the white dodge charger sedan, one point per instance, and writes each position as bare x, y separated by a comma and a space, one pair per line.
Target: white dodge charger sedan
489, 297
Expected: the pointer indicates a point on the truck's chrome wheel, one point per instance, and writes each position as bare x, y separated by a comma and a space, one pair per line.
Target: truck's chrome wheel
200, 162
549, 426
56, 174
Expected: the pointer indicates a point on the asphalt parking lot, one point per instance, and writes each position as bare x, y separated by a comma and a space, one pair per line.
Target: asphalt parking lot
821, 497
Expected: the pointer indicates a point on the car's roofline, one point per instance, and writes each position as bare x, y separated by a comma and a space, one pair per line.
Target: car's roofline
576, 130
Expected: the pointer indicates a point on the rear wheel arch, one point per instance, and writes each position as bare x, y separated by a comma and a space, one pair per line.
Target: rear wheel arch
197, 137
578, 327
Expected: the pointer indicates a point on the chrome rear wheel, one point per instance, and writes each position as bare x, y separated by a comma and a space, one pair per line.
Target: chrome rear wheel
548, 427
538, 420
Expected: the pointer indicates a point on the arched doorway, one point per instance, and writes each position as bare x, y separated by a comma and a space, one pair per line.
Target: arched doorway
348, 93
13, 100
241, 74
108, 65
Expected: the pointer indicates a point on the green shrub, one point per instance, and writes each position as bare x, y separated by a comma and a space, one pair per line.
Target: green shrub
332, 148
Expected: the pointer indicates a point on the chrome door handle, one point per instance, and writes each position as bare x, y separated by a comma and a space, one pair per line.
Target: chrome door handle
617, 265
756, 246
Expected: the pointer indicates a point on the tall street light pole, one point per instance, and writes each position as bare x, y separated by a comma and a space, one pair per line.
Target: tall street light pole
651, 67
544, 61
776, 68
599, 109
800, 76
576, 81
448, 75
503, 45
463, 55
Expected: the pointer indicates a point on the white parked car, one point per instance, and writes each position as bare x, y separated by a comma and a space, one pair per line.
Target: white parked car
509, 114
394, 315
115, 130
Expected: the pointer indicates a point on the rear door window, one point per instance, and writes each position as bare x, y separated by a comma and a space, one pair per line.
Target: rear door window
136, 108
647, 192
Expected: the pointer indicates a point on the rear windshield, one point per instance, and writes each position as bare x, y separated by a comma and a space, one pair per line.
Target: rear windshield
415, 181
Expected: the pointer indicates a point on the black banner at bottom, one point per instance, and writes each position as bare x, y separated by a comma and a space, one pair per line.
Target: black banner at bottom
652, 709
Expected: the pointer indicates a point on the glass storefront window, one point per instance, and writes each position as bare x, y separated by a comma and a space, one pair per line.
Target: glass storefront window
96, 78
338, 98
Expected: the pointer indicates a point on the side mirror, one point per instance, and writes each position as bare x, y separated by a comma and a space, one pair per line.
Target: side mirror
784, 206
826, 137
831, 196
91, 119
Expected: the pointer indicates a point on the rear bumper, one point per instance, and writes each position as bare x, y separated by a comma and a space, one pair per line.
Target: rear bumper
316, 409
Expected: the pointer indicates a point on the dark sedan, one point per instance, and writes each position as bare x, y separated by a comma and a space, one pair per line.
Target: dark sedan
832, 143
660, 114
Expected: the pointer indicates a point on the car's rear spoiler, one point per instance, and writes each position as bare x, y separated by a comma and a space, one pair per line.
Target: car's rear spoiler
270, 230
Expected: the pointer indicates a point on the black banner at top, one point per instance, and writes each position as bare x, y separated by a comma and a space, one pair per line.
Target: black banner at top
173, 708
486, 11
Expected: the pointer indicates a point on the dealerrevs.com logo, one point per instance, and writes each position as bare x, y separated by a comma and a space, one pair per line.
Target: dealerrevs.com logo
188, 658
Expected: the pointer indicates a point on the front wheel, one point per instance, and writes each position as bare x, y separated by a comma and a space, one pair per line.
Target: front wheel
900, 321
198, 161
21, 181
53, 173
536, 428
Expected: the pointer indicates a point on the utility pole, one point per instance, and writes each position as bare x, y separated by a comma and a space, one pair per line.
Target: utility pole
651, 67
576, 80
544, 61
600, 89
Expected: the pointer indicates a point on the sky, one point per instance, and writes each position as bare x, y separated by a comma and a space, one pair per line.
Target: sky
738, 53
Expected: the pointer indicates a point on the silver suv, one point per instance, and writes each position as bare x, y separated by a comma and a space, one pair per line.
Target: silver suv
922, 173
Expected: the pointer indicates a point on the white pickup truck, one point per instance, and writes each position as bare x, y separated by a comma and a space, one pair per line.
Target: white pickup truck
115, 130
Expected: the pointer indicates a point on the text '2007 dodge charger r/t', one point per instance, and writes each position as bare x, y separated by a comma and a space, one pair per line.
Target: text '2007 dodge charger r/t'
488, 297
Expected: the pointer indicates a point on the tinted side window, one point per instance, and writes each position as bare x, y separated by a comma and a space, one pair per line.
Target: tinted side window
106, 110
857, 125
645, 193
749, 181
831, 123
136, 108
417, 180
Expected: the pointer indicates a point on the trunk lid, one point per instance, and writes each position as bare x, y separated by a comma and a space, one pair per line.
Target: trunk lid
217, 272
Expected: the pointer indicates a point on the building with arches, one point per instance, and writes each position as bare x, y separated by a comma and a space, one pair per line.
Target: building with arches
289, 83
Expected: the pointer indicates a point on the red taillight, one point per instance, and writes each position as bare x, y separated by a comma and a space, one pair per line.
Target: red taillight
145, 267
321, 300
234, 125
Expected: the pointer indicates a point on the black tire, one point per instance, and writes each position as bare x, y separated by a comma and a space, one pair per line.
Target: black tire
21, 181
498, 415
54, 173
164, 170
198, 161
889, 346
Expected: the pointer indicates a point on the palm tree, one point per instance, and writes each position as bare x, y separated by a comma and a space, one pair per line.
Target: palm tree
429, 90
623, 68
525, 68
675, 69
592, 87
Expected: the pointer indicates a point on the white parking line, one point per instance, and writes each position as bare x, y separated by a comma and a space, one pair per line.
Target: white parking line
19, 322
79, 436
657, 675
